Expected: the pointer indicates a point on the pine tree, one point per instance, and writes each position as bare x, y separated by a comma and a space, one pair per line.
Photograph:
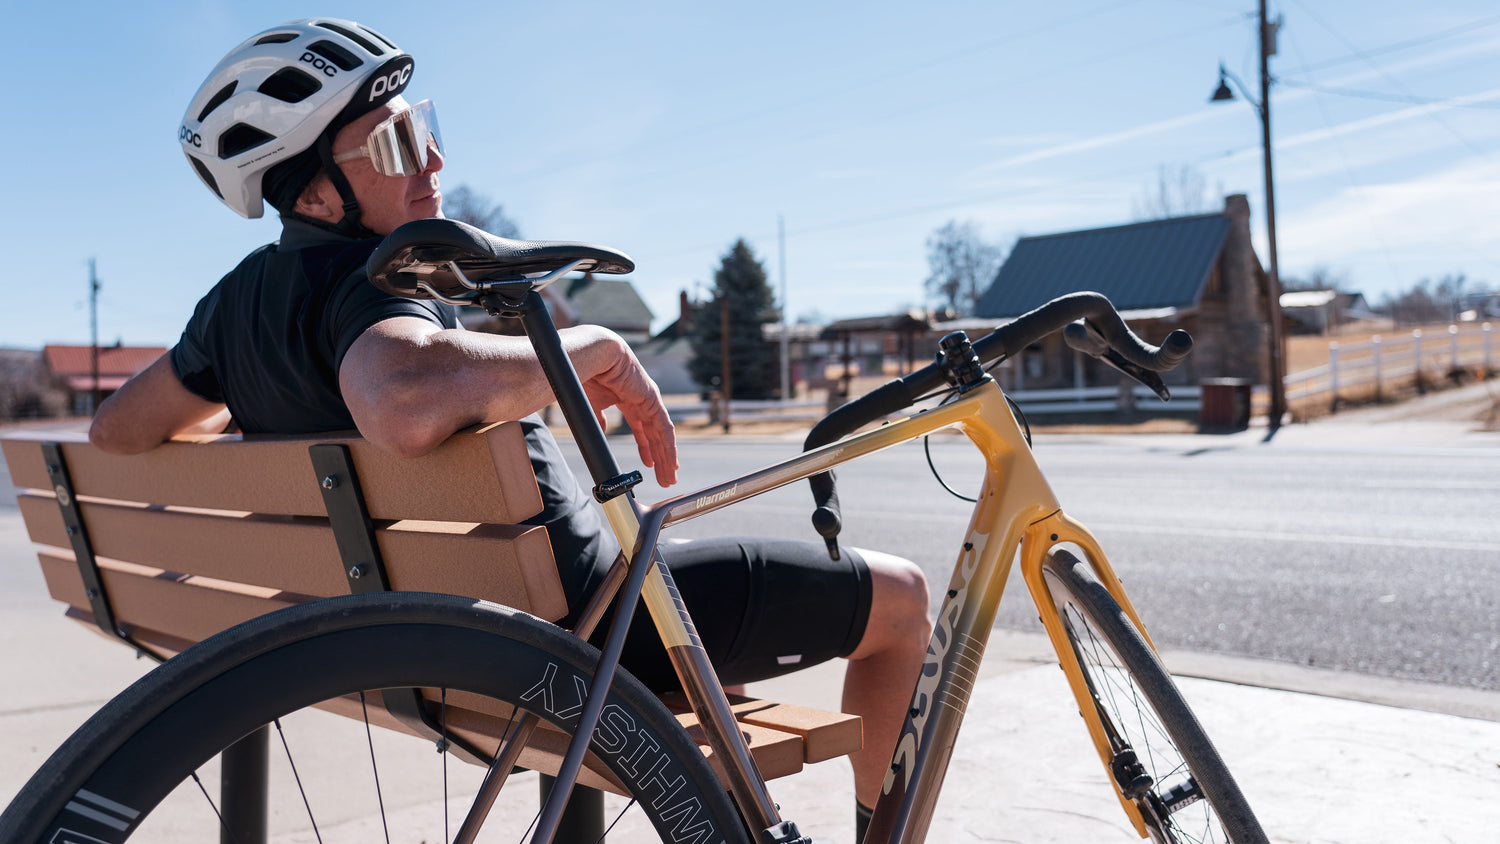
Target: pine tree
741, 281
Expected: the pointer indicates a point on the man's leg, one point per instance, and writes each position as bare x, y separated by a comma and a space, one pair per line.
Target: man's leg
883, 668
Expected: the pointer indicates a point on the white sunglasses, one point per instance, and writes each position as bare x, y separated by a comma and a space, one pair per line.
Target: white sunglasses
399, 144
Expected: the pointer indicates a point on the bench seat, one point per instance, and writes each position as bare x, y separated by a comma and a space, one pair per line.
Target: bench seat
205, 532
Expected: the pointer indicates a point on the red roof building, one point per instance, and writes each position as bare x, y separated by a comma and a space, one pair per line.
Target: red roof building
74, 366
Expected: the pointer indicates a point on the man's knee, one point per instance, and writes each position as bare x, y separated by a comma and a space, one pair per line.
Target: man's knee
898, 605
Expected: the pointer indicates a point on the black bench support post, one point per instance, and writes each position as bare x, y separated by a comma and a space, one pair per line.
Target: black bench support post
583, 817
242, 789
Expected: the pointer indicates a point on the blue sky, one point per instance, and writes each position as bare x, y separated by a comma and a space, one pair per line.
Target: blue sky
670, 129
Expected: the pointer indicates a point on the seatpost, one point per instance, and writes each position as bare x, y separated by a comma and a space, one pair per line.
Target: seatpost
568, 389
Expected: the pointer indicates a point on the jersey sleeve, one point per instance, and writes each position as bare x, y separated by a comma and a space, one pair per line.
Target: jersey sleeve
190, 358
360, 304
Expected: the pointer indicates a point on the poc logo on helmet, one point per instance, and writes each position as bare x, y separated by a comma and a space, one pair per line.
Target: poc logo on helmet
391, 82
188, 136
317, 61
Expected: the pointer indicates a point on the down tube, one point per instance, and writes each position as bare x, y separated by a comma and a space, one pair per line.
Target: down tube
910, 792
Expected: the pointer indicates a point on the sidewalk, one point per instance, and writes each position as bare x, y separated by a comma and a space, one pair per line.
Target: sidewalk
1317, 768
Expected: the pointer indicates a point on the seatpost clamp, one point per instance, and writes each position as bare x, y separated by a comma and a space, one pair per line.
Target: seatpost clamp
616, 486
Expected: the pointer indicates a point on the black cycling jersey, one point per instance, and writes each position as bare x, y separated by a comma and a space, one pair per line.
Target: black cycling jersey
268, 340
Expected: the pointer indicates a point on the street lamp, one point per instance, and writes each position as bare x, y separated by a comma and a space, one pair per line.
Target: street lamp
1273, 278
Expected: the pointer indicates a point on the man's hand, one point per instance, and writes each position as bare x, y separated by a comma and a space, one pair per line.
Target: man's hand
624, 384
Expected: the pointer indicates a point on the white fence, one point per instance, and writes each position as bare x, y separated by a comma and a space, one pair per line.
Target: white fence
1382, 363
1104, 399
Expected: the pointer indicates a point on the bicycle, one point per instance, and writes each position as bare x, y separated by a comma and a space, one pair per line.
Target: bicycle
1168, 778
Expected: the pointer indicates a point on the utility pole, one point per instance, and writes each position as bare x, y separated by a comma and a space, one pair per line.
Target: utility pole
94, 333
1273, 282
786, 363
1275, 343
725, 387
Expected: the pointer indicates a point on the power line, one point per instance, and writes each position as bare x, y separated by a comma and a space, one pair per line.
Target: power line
1392, 80
1365, 55
1377, 95
1338, 145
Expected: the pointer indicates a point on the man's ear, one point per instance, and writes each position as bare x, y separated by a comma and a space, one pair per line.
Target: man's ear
320, 200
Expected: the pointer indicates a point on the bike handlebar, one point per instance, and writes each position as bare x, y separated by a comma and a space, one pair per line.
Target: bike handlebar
1089, 323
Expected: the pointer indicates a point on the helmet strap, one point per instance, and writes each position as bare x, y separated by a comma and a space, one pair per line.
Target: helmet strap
350, 224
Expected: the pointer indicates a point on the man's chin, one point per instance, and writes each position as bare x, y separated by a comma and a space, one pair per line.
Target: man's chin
428, 208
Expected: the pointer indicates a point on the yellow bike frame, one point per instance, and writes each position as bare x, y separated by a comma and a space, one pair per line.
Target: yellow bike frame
1016, 511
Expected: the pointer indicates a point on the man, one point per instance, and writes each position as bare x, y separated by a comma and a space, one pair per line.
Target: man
295, 340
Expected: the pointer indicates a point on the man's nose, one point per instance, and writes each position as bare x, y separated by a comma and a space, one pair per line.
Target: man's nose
434, 158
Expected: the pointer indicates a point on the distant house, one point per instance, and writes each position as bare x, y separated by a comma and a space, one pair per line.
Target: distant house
1197, 272
889, 345
1326, 311
581, 300
73, 366
612, 303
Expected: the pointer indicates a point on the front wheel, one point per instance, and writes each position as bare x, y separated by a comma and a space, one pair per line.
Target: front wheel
476, 663
1163, 762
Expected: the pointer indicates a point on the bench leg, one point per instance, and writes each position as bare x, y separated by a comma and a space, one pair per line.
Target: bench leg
242, 789
583, 819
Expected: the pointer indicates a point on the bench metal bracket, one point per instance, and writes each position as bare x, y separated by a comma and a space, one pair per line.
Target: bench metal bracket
83, 548
354, 533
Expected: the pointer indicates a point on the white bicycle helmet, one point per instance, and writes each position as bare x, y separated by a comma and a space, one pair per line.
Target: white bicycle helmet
274, 96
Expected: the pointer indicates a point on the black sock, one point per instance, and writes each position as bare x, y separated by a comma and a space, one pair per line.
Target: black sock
861, 821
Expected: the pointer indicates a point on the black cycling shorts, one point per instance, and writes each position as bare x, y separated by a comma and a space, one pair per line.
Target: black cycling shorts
763, 608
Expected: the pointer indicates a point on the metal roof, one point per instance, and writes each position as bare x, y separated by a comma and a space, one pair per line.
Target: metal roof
612, 303
1141, 266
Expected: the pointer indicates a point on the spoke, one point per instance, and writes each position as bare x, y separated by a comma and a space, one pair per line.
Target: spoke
617, 819
288, 750
443, 751
211, 805
375, 769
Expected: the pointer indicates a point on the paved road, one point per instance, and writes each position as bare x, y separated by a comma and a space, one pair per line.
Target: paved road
1337, 509
1371, 550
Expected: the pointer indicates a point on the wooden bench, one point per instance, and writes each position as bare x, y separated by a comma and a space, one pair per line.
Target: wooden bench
205, 532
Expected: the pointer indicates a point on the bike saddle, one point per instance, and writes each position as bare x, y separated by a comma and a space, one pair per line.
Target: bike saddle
418, 260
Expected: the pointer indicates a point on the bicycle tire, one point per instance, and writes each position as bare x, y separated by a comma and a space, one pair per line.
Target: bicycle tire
1191, 796
106, 779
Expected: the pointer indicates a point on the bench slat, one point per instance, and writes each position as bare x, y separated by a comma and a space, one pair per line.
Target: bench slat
507, 564
275, 475
825, 735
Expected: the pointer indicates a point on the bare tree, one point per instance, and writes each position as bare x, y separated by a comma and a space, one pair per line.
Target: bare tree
1321, 278
961, 265
476, 209
1174, 195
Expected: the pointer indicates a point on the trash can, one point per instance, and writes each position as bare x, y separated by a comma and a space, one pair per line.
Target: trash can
1224, 404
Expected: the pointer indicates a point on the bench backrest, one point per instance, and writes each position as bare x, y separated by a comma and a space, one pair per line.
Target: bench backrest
205, 532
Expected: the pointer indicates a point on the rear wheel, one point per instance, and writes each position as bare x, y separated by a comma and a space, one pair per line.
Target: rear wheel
1163, 761
140, 767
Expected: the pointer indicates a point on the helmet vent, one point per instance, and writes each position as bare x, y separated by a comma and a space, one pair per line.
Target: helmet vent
289, 85
207, 177
276, 38
240, 137
352, 36
336, 54
378, 37
217, 100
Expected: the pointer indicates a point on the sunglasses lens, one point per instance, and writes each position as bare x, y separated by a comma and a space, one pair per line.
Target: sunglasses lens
400, 145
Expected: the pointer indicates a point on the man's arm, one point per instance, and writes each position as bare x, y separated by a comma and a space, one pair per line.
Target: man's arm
150, 409
410, 384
